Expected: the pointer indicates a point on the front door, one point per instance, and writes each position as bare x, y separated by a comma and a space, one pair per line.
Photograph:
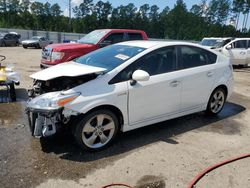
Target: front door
160, 96
238, 52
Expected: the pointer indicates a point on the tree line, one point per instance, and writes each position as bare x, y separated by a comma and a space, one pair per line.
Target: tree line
207, 18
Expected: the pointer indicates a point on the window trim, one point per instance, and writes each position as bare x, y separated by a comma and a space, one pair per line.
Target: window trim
111, 82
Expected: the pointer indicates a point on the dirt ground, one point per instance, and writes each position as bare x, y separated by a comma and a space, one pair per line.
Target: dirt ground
168, 154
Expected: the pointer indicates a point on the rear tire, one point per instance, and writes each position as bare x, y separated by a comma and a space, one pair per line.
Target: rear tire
12, 92
216, 101
97, 130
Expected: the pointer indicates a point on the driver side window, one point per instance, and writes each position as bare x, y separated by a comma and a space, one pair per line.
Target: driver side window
242, 44
157, 62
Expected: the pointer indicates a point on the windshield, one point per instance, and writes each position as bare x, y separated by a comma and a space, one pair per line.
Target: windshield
222, 43
93, 37
35, 38
210, 42
109, 57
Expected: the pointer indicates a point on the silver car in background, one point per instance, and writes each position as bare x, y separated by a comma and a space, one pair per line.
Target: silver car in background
36, 42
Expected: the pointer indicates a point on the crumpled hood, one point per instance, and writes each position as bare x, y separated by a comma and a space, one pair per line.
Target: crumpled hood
70, 69
69, 46
29, 41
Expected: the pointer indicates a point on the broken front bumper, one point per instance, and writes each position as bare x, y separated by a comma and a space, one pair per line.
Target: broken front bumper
44, 123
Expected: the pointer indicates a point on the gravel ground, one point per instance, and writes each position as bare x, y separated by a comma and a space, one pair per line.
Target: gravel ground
167, 154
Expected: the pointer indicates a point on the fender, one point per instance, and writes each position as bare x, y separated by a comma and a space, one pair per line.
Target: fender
84, 107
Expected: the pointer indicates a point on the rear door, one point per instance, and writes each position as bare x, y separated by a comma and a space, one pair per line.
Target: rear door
197, 70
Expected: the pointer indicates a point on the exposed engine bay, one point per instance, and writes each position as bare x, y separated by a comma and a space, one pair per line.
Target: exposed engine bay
58, 84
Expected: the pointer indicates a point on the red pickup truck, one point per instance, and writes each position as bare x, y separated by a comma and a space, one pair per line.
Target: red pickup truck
57, 53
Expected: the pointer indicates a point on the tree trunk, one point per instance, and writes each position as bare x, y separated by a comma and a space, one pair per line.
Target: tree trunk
243, 24
237, 19
246, 20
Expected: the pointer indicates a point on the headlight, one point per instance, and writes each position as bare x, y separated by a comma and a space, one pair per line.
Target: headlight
57, 56
52, 101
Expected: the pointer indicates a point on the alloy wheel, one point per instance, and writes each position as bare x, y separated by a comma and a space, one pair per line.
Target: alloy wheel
217, 101
98, 131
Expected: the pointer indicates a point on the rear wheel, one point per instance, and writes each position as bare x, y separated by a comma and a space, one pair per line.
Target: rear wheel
97, 130
216, 101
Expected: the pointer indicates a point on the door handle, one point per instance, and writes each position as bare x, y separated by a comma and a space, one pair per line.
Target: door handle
210, 74
174, 83
242, 53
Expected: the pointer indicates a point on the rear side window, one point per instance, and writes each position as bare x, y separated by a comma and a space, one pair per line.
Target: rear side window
194, 57
115, 38
135, 36
240, 44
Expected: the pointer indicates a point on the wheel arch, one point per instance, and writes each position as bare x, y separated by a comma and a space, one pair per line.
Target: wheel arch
224, 87
113, 109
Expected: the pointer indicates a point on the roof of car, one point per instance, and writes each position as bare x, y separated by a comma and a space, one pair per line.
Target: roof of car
217, 38
121, 30
150, 44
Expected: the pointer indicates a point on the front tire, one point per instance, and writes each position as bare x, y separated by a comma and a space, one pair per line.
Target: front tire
216, 101
97, 130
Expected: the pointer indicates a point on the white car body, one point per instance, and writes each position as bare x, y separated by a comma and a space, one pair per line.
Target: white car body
238, 51
162, 97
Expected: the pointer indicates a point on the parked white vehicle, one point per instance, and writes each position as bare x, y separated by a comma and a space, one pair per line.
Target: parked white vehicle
216, 43
238, 51
137, 83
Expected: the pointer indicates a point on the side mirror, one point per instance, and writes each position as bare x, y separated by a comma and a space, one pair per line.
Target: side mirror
105, 43
229, 47
140, 75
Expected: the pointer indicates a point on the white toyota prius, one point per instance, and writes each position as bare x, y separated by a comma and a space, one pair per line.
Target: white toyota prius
126, 86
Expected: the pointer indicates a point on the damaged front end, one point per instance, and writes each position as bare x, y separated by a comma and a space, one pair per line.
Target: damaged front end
47, 114
58, 84
62, 77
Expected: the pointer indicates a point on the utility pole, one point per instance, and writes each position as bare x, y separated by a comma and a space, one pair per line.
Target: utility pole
70, 15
